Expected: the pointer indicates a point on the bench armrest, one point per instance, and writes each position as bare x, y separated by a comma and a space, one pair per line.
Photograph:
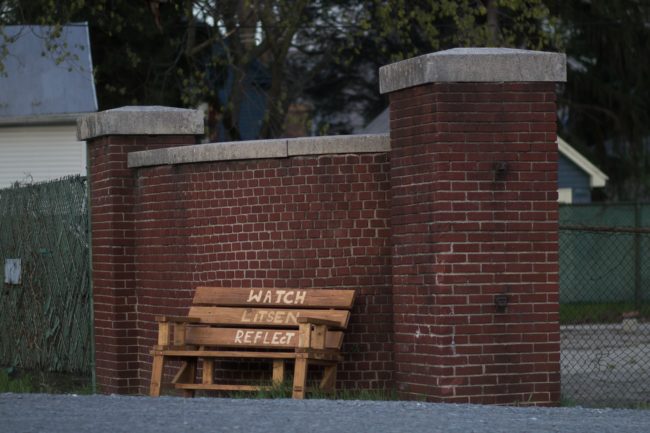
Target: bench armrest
171, 329
177, 319
315, 321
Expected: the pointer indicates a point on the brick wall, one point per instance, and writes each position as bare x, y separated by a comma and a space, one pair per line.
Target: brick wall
302, 222
474, 215
458, 214
113, 252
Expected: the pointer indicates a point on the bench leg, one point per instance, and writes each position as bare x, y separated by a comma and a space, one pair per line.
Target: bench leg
278, 372
328, 383
156, 375
300, 378
208, 371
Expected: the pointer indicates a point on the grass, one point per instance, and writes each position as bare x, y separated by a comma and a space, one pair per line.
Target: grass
17, 384
633, 406
610, 312
21, 381
569, 402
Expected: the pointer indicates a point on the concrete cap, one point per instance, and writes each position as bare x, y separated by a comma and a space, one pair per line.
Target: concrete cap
135, 120
260, 149
337, 144
473, 65
225, 151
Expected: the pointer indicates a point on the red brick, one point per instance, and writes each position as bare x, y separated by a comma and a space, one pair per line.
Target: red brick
488, 122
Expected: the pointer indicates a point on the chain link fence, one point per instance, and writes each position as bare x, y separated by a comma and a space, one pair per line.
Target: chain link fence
45, 301
605, 306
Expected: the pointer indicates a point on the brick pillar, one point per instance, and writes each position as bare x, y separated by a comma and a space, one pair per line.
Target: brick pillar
475, 225
110, 136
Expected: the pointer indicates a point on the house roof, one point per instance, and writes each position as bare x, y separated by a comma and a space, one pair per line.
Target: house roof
597, 178
378, 125
46, 77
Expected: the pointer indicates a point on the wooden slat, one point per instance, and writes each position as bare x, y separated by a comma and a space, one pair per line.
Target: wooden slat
278, 371
252, 338
304, 335
164, 334
317, 356
208, 371
183, 374
236, 297
222, 387
318, 337
300, 378
328, 382
317, 321
279, 317
175, 319
156, 375
182, 353
179, 334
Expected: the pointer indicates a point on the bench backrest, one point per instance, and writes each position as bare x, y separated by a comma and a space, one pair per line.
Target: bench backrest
264, 318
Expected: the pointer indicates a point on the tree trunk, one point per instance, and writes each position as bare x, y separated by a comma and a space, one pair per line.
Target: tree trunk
492, 23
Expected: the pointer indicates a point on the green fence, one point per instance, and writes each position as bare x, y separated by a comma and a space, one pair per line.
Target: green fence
605, 253
605, 304
45, 302
606, 214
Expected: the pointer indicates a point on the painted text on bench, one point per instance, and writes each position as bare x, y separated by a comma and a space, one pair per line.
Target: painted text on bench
273, 338
288, 297
270, 316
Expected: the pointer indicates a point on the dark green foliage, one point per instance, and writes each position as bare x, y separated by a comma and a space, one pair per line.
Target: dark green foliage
607, 312
22, 381
389, 31
605, 103
322, 55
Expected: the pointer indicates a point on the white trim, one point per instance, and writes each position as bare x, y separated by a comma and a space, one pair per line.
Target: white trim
41, 119
565, 195
596, 177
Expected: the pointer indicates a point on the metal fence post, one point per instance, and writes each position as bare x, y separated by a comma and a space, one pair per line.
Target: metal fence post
637, 255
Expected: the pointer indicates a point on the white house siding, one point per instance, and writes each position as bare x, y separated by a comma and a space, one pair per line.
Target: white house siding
38, 153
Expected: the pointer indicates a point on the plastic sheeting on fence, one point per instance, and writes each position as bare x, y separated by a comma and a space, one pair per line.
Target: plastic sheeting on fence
45, 307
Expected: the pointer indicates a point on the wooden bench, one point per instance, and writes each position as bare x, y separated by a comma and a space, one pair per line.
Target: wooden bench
305, 326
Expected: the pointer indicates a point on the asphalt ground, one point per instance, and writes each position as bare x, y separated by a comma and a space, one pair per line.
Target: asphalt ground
23, 413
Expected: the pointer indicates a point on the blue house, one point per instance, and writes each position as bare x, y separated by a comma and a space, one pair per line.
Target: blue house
253, 105
576, 175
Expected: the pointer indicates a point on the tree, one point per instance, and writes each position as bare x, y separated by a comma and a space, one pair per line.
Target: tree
185, 52
394, 30
324, 53
292, 39
129, 53
605, 103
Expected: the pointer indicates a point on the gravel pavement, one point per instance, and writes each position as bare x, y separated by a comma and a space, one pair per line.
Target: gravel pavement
606, 364
103, 414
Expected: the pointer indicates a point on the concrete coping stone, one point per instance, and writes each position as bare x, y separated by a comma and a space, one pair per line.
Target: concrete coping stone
473, 65
261, 149
140, 120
